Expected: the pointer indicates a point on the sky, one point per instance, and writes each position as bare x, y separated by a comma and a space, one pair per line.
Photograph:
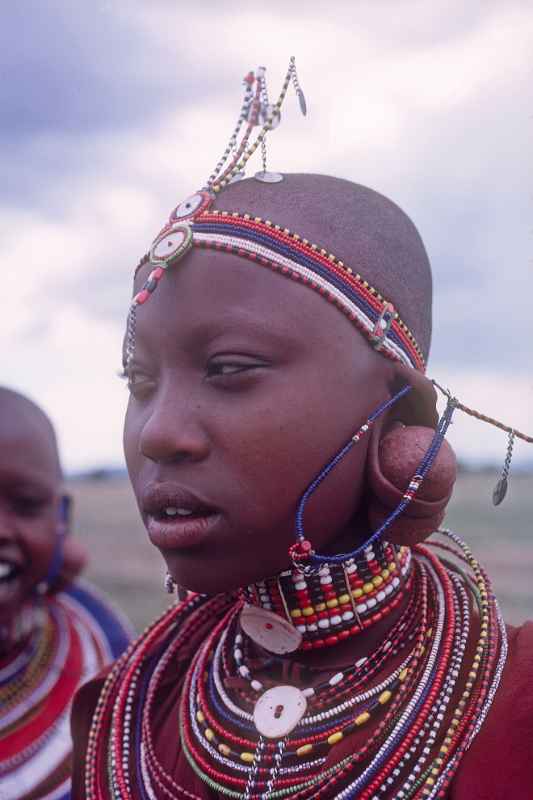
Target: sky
113, 112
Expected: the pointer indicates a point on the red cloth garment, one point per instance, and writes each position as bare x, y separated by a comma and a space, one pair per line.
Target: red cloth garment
498, 766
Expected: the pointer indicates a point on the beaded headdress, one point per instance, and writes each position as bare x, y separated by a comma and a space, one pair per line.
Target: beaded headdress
196, 222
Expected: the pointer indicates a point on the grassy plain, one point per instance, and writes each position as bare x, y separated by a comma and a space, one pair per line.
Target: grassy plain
130, 569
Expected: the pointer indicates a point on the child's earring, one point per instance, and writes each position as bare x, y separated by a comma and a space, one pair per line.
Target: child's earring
393, 460
170, 583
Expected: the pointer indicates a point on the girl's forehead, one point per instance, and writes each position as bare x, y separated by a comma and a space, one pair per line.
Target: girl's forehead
219, 302
209, 290
354, 247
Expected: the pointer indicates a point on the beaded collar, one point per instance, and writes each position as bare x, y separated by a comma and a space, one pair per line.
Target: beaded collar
335, 603
419, 700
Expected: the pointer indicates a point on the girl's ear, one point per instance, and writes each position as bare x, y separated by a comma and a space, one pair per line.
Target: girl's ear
419, 406
398, 445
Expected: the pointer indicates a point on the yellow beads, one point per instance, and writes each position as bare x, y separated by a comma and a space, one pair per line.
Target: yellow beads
304, 750
333, 603
247, 757
200, 716
335, 737
362, 718
344, 598
384, 697
295, 613
209, 734
307, 611
224, 749
368, 587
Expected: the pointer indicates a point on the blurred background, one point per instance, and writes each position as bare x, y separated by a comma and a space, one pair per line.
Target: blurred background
112, 112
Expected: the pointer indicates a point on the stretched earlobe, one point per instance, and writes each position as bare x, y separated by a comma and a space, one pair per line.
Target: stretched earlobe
393, 459
419, 406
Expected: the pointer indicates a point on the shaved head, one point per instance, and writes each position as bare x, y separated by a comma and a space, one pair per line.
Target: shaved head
361, 227
22, 421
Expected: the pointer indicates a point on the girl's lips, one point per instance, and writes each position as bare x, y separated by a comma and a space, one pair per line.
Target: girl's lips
182, 532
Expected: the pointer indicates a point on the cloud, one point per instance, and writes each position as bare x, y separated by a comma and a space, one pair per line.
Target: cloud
110, 118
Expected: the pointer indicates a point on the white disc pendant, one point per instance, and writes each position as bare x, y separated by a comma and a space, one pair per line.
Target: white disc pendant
278, 711
268, 177
269, 631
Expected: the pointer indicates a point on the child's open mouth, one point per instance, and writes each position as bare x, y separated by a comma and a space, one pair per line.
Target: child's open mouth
176, 518
9, 579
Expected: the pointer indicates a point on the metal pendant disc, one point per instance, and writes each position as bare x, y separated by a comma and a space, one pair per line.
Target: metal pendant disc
500, 490
278, 711
268, 177
269, 631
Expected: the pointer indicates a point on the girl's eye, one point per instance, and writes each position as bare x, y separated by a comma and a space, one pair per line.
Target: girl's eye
227, 368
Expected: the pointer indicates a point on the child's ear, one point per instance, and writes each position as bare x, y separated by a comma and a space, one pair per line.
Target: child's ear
73, 554
419, 406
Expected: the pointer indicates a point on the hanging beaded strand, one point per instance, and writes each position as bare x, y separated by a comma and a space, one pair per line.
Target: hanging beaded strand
302, 553
248, 81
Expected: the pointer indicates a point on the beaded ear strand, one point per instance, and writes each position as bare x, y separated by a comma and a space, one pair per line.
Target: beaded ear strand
500, 490
302, 554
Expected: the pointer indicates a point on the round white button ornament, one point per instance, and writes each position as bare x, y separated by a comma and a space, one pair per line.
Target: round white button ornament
191, 206
269, 631
278, 711
171, 245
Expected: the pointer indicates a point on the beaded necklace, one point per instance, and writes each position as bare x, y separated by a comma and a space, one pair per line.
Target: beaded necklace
340, 600
421, 696
72, 641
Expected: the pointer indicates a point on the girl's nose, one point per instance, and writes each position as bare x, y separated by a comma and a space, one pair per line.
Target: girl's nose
173, 432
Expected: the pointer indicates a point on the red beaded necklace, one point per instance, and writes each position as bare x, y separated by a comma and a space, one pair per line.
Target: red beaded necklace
423, 701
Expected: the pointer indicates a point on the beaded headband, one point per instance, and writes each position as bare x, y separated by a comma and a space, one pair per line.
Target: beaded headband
194, 222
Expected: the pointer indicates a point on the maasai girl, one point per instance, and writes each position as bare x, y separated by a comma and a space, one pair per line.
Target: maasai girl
55, 632
283, 445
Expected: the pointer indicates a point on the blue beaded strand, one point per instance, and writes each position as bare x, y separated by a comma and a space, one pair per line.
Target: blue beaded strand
315, 560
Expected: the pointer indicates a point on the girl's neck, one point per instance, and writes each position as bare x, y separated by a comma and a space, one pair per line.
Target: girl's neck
342, 611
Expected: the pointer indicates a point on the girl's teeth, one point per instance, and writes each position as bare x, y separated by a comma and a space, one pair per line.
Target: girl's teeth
171, 511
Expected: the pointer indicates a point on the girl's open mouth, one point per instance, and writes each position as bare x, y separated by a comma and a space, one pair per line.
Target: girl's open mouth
177, 518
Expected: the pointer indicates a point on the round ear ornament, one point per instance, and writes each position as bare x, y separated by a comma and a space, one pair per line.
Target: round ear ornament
392, 473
